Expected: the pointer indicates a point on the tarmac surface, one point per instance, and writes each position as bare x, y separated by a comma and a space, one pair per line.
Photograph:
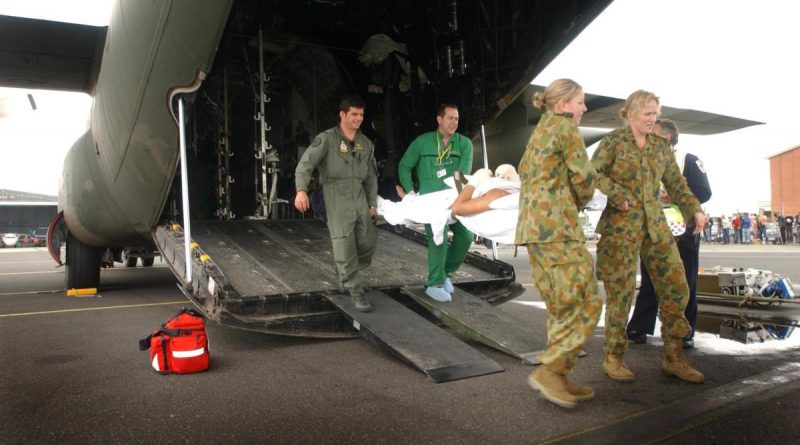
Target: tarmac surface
71, 372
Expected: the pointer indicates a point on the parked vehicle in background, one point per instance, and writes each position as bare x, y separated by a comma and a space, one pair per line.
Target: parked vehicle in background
11, 240
40, 236
34, 240
26, 240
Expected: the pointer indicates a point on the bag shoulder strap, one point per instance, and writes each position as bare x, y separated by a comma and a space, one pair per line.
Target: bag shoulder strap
195, 312
164, 353
144, 344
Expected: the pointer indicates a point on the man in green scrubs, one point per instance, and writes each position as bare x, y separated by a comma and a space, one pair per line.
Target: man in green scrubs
345, 159
436, 155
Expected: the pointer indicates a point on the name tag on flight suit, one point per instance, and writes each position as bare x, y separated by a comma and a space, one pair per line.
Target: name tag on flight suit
441, 173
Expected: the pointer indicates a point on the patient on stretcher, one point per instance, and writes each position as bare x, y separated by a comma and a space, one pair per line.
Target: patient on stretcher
486, 205
505, 182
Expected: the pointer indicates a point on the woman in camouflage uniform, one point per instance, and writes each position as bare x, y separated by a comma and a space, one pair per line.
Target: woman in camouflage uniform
557, 181
631, 164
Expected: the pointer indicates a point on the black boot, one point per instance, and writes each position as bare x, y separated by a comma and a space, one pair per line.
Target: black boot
639, 338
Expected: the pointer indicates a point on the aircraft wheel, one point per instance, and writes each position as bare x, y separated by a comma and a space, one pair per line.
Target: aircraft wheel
130, 261
147, 262
83, 264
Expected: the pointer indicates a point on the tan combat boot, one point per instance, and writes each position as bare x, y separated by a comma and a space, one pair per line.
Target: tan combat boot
616, 369
676, 365
580, 392
552, 386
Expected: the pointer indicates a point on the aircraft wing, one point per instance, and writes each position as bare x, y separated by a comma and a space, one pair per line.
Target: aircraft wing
41, 54
508, 133
603, 113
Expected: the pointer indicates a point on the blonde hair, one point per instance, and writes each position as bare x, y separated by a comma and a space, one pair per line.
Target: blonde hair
636, 101
559, 89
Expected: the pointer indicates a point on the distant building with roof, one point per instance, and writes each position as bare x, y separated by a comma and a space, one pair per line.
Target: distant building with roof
25, 212
784, 172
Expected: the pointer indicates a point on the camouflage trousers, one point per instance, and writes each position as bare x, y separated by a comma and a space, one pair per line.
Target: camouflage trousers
563, 274
617, 258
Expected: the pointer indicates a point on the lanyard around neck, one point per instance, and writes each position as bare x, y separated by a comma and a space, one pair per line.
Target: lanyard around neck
441, 154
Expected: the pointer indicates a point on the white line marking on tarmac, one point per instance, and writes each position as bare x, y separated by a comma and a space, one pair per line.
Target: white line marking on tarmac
101, 270
26, 262
760, 253
25, 273
536, 304
63, 311
34, 292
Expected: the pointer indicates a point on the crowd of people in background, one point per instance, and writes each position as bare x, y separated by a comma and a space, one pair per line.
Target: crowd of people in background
751, 228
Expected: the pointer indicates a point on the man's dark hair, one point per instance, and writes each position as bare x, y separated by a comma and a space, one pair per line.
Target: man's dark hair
670, 127
351, 101
443, 107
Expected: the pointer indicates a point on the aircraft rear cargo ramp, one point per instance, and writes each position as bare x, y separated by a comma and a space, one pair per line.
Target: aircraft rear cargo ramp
278, 277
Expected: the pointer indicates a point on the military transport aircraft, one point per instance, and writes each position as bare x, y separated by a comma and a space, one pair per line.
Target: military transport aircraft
257, 79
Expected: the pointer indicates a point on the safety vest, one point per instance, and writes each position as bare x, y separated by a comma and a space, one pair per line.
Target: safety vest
671, 211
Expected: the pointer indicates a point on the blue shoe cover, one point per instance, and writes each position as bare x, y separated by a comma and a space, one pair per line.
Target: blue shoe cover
448, 286
438, 294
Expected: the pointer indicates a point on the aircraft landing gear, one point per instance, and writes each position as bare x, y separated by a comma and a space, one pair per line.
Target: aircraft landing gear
129, 260
83, 264
130, 255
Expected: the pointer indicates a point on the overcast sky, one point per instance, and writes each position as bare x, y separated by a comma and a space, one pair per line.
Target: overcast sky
734, 57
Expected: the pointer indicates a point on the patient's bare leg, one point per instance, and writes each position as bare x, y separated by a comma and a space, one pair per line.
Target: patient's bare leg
464, 205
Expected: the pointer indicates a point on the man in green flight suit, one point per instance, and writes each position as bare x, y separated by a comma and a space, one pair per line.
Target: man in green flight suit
436, 155
345, 159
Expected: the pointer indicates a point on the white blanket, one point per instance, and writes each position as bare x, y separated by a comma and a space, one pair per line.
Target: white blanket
430, 208
498, 224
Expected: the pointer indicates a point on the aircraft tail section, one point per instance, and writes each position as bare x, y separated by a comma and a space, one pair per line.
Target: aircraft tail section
118, 175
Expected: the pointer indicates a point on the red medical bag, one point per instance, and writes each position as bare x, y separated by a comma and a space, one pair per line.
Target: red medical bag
180, 345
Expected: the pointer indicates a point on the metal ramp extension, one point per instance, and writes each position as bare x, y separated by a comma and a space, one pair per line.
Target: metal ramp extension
398, 330
277, 277
476, 319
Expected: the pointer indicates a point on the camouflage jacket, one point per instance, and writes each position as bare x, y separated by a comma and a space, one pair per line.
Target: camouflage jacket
557, 181
627, 172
